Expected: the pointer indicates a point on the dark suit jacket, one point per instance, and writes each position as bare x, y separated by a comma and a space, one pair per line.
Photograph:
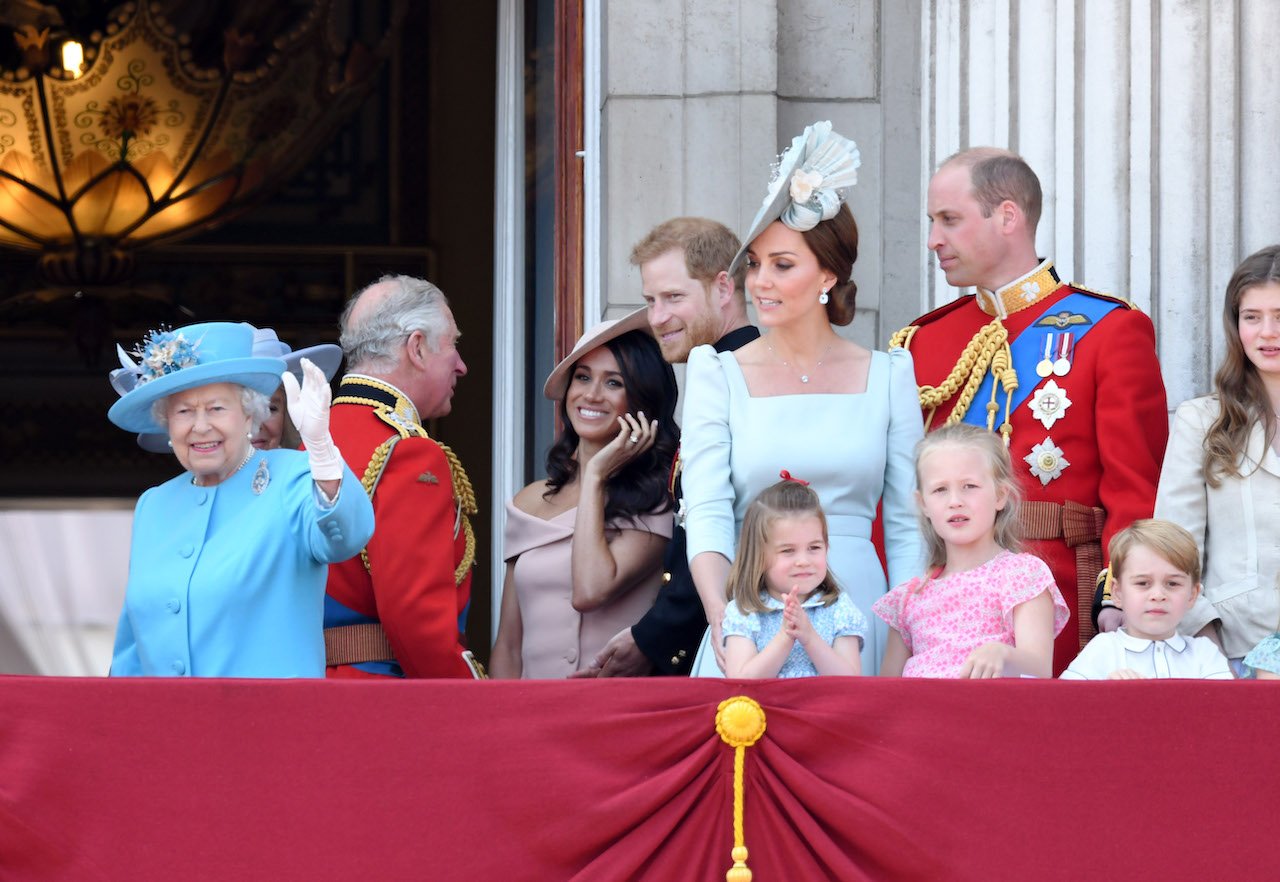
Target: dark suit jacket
670, 632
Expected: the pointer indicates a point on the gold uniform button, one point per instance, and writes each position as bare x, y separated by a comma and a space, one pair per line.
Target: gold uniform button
682, 653
666, 578
675, 659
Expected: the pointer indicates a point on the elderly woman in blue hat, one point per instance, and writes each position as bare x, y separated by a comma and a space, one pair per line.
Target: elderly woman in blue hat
228, 560
275, 430
803, 397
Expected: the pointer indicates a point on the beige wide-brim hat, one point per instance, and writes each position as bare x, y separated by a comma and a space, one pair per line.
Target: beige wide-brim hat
558, 381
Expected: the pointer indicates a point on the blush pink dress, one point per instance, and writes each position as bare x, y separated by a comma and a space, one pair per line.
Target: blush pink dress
558, 639
944, 619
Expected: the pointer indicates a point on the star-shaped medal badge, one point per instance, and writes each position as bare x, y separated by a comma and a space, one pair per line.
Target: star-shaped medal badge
1046, 461
1049, 403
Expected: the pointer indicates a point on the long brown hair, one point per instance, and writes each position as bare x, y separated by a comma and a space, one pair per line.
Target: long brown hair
1242, 398
785, 499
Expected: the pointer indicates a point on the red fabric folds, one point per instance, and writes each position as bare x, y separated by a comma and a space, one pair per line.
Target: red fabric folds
615, 780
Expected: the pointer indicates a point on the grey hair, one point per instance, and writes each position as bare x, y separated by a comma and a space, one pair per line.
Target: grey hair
257, 407
412, 305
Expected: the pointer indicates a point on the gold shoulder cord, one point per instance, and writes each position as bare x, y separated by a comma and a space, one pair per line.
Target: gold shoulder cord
989, 349
463, 493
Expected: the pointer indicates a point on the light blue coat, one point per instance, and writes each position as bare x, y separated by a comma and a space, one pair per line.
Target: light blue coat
225, 582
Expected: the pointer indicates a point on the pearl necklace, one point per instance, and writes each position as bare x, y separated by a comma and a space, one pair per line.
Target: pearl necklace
804, 378
195, 481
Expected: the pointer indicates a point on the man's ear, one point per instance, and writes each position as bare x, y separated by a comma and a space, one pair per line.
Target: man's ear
416, 349
1011, 217
722, 288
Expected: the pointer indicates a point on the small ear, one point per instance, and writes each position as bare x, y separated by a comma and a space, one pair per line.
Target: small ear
1002, 499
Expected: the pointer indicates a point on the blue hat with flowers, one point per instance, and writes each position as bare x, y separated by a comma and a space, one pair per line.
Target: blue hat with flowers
184, 358
809, 184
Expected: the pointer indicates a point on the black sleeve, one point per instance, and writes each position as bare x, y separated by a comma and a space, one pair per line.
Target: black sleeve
671, 630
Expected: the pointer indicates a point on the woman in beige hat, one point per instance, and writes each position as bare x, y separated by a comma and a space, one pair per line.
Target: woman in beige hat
584, 547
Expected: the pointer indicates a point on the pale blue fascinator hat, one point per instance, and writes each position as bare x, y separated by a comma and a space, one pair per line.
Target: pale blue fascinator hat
1265, 656
811, 181
185, 358
266, 344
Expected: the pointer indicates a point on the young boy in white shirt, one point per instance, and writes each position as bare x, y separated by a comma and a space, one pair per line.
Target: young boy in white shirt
1156, 568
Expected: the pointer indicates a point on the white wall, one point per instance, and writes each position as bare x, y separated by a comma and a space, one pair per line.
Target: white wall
1152, 125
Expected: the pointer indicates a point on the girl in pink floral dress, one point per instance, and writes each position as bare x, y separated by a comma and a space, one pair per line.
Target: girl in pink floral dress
982, 609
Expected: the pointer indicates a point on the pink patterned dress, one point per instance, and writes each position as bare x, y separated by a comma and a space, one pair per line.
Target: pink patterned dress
951, 616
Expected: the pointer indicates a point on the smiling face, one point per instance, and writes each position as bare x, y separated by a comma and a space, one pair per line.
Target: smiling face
959, 496
784, 277
596, 396
1153, 593
271, 431
1259, 326
209, 430
682, 311
797, 555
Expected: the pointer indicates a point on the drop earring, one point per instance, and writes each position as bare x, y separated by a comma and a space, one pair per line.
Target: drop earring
823, 298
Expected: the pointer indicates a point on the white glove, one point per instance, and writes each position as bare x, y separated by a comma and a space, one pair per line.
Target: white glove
309, 410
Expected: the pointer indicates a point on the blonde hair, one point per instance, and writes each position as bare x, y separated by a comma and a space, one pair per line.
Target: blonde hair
1165, 538
1008, 535
785, 499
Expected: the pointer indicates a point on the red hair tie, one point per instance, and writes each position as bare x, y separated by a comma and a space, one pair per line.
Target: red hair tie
786, 476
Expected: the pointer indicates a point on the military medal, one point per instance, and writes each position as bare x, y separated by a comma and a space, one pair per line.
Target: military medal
1049, 403
1066, 352
1046, 461
1045, 366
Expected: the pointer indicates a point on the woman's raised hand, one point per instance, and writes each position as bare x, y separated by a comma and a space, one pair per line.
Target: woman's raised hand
309, 410
636, 434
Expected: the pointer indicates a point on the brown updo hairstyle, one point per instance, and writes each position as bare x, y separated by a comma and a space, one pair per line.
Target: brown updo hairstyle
835, 243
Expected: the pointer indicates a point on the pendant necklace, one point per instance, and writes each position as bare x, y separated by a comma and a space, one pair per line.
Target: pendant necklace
804, 378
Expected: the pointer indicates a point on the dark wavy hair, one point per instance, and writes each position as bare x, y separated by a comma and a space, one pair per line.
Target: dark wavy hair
1242, 399
835, 243
640, 488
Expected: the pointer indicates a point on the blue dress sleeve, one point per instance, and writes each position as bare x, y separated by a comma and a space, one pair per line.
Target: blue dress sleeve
849, 620
336, 532
124, 655
705, 449
903, 549
739, 624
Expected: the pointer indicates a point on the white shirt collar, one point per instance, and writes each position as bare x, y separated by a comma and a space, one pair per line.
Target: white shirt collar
1139, 644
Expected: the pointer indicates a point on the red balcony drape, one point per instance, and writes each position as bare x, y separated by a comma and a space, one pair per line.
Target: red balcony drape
616, 780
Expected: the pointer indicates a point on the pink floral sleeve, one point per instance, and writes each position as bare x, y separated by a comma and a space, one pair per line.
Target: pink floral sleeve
892, 608
1027, 576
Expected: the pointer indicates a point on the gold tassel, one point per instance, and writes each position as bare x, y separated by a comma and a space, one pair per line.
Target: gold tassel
740, 723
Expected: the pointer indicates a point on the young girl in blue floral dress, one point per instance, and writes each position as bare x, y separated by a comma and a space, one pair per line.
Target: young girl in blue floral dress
787, 616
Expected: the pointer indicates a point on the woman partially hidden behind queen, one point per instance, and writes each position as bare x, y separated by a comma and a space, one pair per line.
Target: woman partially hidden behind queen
228, 560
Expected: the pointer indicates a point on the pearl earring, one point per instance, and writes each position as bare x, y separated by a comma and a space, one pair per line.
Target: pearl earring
823, 298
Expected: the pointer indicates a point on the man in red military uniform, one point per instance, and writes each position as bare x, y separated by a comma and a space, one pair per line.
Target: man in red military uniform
399, 609
1069, 377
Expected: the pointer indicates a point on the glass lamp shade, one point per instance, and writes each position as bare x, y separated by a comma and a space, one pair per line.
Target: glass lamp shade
146, 145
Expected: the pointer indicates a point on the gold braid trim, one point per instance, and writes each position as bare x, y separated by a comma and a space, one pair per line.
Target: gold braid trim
369, 480
989, 349
465, 498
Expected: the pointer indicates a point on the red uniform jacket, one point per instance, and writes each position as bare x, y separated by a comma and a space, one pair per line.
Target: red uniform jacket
419, 539
1113, 434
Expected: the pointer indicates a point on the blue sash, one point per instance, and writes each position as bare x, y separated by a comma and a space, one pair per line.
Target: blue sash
1028, 348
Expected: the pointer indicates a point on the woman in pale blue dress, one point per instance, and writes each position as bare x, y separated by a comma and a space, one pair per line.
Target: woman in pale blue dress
803, 399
